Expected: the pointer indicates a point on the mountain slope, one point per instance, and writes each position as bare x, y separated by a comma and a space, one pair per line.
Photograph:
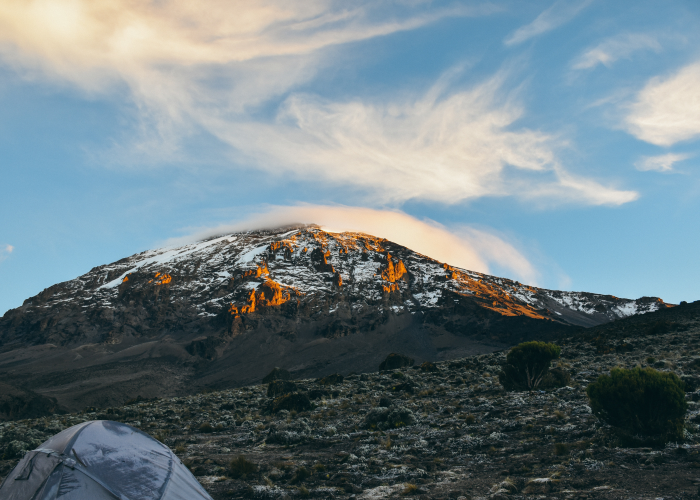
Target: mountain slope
224, 311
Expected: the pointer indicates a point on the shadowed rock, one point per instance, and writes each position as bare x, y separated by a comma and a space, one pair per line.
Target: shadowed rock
395, 361
276, 374
280, 387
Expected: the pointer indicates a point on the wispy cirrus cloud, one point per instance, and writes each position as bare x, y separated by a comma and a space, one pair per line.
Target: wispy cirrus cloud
181, 58
443, 145
5, 251
179, 45
667, 110
467, 247
614, 48
559, 13
660, 163
190, 68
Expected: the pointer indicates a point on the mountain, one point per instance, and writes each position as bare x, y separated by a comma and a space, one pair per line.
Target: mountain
225, 311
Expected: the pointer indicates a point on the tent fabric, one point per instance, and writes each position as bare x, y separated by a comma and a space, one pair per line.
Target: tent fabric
101, 460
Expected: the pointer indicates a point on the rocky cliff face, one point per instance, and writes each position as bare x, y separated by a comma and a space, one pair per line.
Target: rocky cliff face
225, 311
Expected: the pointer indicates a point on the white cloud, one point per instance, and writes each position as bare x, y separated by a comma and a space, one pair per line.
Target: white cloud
181, 58
667, 110
463, 246
166, 51
439, 146
5, 251
614, 48
560, 12
191, 68
660, 163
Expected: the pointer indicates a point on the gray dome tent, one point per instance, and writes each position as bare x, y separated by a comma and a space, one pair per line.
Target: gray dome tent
101, 460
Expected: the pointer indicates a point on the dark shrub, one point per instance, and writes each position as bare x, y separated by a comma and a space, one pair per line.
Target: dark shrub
428, 366
692, 383
556, 377
527, 364
408, 387
318, 394
384, 402
302, 473
291, 402
336, 378
206, 427
287, 433
640, 402
230, 406
276, 374
389, 418
693, 365
395, 361
280, 387
560, 449
240, 467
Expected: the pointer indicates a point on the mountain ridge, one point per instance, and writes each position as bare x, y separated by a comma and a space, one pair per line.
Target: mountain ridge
223, 311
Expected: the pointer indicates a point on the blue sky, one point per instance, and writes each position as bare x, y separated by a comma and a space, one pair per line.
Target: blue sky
552, 142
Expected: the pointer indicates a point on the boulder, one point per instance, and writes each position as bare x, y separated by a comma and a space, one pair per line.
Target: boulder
318, 394
394, 361
276, 374
429, 366
336, 378
291, 402
280, 387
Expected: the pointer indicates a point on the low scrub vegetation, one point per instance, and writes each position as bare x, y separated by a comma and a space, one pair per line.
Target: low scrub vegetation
643, 404
527, 367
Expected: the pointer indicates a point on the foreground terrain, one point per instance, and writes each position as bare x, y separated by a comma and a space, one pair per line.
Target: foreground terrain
466, 437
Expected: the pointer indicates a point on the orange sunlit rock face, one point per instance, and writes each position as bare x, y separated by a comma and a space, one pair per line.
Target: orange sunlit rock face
392, 287
491, 295
320, 257
393, 272
338, 280
286, 244
162, 279
250, 305
256, 273
270, 293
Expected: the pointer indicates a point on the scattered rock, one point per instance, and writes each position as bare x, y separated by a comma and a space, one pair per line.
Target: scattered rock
429, 366
389, 418
291, 402
395, 361
334, 379
276, 374
280, 387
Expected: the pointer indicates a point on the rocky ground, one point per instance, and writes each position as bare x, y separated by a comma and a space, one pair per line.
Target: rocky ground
446, 432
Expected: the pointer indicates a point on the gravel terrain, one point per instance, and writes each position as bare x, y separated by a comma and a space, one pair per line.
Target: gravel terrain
442, 431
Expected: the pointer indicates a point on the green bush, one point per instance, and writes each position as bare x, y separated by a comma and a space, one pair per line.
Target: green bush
561, 449
640, 402
554, 378
240, 467
206, 427
527, 365
301, 474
